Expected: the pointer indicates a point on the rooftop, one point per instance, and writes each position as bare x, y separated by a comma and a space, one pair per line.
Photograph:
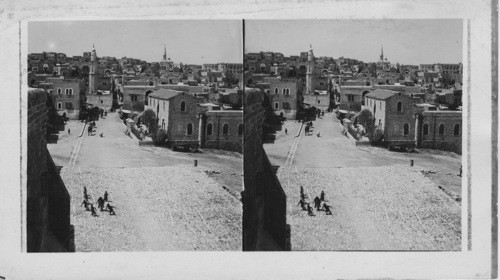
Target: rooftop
381, 94
164, 94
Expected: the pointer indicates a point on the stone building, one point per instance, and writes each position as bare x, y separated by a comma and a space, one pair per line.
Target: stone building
136, 97
264, 201
352, 97
285, 96
394, 112
68, 96
48, 227
440, 130
223, 129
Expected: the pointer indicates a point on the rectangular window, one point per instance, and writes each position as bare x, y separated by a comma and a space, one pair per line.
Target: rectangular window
59, 105
276, 105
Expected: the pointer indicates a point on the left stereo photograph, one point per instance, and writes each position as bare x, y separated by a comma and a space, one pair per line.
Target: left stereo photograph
134, 138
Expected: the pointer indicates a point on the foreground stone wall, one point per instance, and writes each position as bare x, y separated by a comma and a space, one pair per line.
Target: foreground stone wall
264, 202
48, 203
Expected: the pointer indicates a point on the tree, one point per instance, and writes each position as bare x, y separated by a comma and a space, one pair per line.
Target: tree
150, 119
365, 118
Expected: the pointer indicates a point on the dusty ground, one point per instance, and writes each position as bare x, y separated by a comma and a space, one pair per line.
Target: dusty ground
379, 202
163, 201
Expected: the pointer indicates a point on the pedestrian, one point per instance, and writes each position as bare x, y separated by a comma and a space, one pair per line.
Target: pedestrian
111, 209
460, 170
106, 196
100, 203
89, 130
106, 113
85, 204
301, 190
322, 196
317, 203
302, 204
84, 191
309, 210
92, 209
102, 133
69, 131
327, 209
318, 134
286, 131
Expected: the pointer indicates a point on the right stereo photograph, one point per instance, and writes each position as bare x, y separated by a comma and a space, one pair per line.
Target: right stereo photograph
353, 135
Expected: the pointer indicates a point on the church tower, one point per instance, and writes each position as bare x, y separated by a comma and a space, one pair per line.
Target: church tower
165, 53
310, 72
92, 71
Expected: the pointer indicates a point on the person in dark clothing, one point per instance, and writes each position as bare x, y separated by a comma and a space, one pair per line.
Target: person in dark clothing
92, 209
84, 191
100, 204
317, 203
111, 209
327, 209
302, 204
69, 131
89, 130
106, 196
286, 131
460, 171
309, 210
301, 190
322, 196
86, 204
302, 196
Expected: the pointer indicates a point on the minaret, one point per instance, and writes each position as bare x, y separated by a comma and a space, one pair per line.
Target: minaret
382, 54
92, 71
310, 71
165, 53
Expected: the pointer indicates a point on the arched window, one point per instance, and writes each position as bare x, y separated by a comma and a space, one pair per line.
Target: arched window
426, 129
225, 129
276, 91
209, 129
406, 129
59, 91
456, 129
189, 129
70, 91
283, 91
240, 129
441, 129
399, 107
183, 106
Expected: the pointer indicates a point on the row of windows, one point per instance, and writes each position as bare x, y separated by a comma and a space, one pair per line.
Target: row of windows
406, 129
67, 91
286, 106
456, 129
284, 91
225, 129
69, 106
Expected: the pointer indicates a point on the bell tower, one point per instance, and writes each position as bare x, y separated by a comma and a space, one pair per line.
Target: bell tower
92, 71
310, 72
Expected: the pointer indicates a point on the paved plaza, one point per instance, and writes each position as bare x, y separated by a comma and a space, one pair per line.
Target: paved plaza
379, 202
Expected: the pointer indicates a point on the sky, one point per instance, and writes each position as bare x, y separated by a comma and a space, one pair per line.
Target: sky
213, 41
187, 41
404, 41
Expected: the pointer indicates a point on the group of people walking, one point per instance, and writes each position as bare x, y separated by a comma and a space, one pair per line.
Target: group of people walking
319, 203
100, 204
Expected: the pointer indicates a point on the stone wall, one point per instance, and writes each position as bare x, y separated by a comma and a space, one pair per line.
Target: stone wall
264, 202
134, 97
233, 140
48, 203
